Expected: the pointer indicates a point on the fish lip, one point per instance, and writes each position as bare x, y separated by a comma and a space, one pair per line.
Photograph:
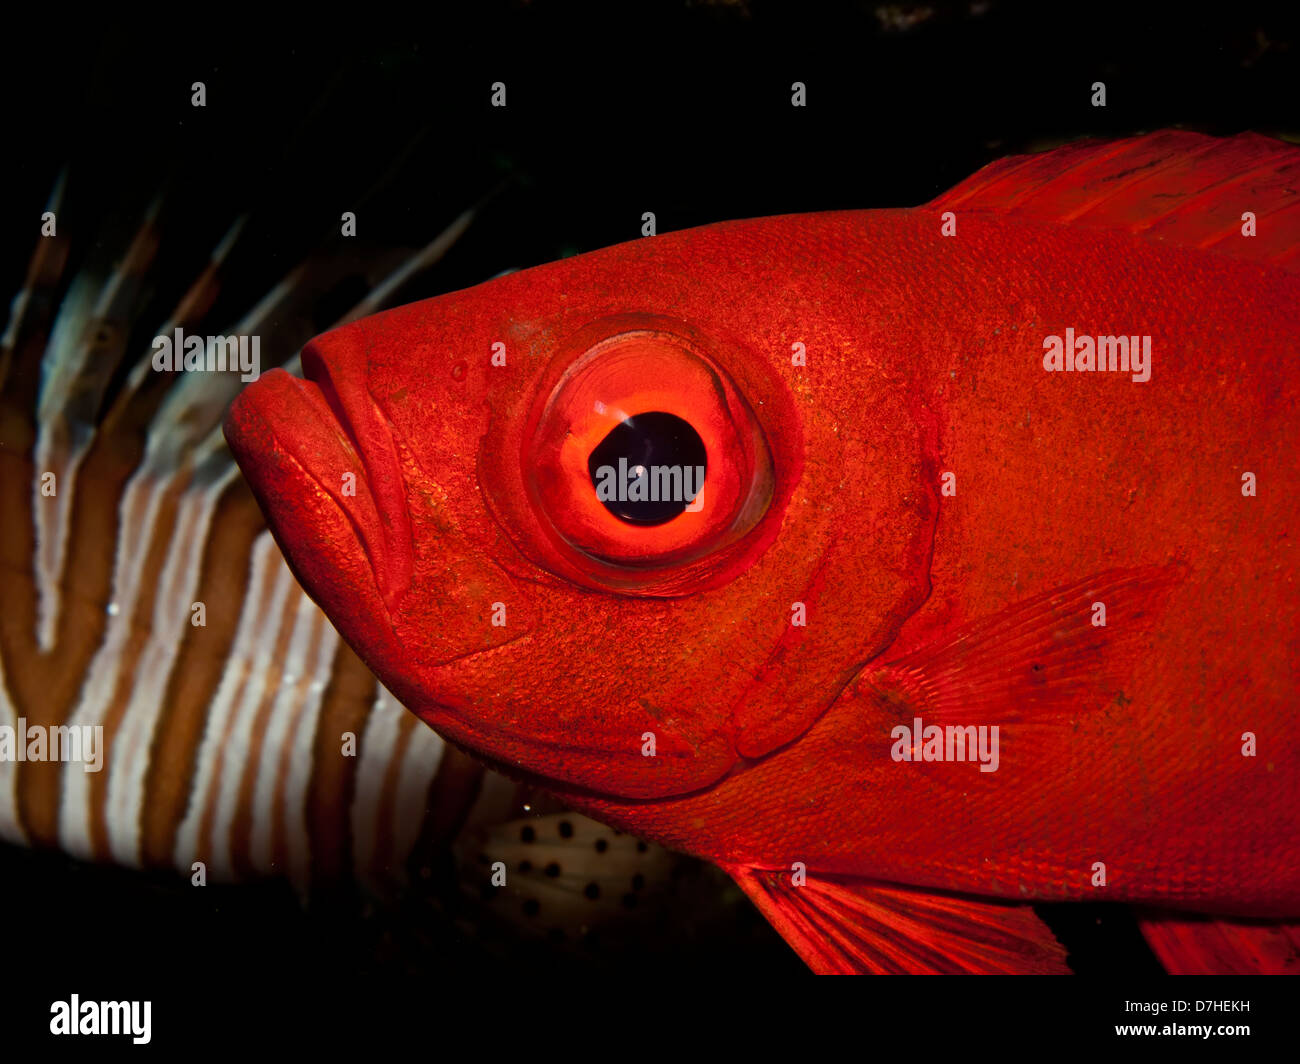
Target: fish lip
294, 438
341, 382
255, 423
316, 375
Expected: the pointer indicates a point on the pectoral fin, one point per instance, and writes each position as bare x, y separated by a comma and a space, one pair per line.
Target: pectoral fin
1038, 664
848, 926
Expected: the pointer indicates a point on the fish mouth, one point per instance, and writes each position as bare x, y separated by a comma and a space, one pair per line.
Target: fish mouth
322, 462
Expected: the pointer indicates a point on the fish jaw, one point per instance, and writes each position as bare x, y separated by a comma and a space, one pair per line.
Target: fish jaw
292, 450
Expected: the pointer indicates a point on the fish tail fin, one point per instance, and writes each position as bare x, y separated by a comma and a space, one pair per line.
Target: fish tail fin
844, 926
1204, 945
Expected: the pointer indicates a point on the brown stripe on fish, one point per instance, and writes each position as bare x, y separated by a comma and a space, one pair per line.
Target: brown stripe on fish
236, 810
460, 787
129, 650
44, 685
207, 652
345, 709
392, 780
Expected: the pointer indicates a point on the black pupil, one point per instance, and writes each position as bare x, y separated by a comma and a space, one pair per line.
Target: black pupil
649, 467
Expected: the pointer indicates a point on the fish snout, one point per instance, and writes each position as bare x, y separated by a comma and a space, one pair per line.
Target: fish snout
367, 468
325, 474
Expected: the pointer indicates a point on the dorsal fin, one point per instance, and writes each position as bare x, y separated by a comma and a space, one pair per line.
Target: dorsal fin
1173, 186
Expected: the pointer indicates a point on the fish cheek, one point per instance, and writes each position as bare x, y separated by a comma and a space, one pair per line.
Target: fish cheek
460, 607
859, 568
459, 602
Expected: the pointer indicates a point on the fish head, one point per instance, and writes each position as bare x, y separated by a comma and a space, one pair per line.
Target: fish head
454, 482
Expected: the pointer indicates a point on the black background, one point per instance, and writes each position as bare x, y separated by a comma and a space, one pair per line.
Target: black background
679, 109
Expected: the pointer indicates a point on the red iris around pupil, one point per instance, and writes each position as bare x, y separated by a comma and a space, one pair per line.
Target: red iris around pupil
671, 414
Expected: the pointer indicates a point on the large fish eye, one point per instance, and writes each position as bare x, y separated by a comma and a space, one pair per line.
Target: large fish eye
646, 458
649, 468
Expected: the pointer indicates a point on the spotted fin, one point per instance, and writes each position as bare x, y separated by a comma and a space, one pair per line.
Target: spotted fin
566, 877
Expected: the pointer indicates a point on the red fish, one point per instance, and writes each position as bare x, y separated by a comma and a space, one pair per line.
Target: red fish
977, 607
